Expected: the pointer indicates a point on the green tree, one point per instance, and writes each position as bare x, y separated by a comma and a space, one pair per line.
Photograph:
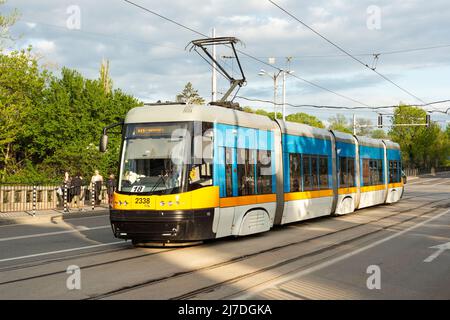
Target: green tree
190, 95
6, 21
271, 115
340, 123
379, 134
64, 132
105, 79
22, 87
305, 118
421, 146
364, 130
248, 109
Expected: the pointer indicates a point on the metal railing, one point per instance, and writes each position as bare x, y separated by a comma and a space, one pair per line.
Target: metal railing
20, 197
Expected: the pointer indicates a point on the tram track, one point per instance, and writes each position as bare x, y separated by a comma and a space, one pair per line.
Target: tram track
211, 288
84, 267
184, 273
269, 250
89, 254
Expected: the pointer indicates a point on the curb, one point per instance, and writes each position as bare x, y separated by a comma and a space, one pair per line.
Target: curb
52, 217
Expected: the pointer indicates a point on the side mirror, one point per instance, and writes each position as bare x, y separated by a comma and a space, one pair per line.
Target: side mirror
103, 143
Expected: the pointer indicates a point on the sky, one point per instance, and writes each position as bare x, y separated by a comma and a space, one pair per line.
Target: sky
149, 59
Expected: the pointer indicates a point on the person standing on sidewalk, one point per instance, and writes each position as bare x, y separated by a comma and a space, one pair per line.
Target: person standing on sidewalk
111, 187
63, 190
97, 181
76, 192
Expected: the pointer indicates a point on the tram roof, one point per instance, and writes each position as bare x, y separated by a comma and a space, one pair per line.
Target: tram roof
369, 142
206, 113
344, 137
391, 145
299, 129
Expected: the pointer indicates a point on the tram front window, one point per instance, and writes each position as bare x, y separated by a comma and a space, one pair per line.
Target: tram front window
154, 158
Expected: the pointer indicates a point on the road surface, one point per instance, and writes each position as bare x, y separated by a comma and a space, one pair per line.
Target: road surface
399, 251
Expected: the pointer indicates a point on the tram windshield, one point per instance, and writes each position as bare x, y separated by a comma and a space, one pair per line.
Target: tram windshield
153, 158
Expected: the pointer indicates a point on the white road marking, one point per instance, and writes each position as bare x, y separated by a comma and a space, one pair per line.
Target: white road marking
422, 181
441, 248
62, 251
338, 259
35, 222
446, 181
77, 229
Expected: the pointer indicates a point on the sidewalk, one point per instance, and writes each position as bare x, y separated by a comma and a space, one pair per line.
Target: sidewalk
26, 217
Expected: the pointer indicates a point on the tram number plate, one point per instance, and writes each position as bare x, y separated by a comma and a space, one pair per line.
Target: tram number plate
138, 189
144, 201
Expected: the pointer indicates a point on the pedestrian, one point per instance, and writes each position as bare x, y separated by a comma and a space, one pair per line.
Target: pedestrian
63, 190
76, 184
111, 187
97, 181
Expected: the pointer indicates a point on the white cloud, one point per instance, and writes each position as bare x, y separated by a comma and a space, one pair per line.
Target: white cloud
148, 59
45, 46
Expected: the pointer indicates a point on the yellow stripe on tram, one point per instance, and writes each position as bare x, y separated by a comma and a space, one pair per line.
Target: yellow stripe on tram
395, 185
246, 200
292, 196
373, 188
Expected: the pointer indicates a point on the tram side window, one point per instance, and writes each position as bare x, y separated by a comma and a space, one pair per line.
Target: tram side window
343, 172
392, 177
201, 174
294, 172
315, 172
246, 171
264, 172
346, 172
351, 172
376, 170
229, 171
397, 174
380, 172
307, 180
366, 172
323, 172
394, 171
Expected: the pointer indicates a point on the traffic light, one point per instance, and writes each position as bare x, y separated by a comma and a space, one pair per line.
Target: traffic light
380, 121
428, 120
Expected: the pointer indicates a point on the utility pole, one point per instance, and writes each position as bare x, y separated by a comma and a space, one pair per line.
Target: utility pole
288, 62
354, 124
284, 96
214, 71
275, 88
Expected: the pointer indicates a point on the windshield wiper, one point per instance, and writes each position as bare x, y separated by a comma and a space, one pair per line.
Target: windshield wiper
161, 178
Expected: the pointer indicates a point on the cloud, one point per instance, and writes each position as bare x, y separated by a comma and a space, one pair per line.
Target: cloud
148, 57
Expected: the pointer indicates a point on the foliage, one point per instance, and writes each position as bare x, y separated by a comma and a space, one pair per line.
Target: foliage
379, 134
340, 123
6, 21
364, 130
52, 124
421, 146
189, 95
295, 117
22, 87
305, 118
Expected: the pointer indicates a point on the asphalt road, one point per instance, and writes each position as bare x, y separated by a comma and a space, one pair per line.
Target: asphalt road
398, 251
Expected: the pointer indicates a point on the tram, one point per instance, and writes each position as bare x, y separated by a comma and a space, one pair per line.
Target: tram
195, 172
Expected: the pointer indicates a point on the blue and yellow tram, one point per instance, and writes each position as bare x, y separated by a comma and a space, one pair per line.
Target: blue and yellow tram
193, 172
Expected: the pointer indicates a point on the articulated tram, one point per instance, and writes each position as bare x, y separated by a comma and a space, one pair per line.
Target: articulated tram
195, 172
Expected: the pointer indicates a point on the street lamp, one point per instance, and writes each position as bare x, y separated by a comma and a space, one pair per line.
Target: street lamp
275, 87
284, 91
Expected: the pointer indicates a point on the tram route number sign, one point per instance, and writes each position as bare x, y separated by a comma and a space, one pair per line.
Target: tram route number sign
138, 189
